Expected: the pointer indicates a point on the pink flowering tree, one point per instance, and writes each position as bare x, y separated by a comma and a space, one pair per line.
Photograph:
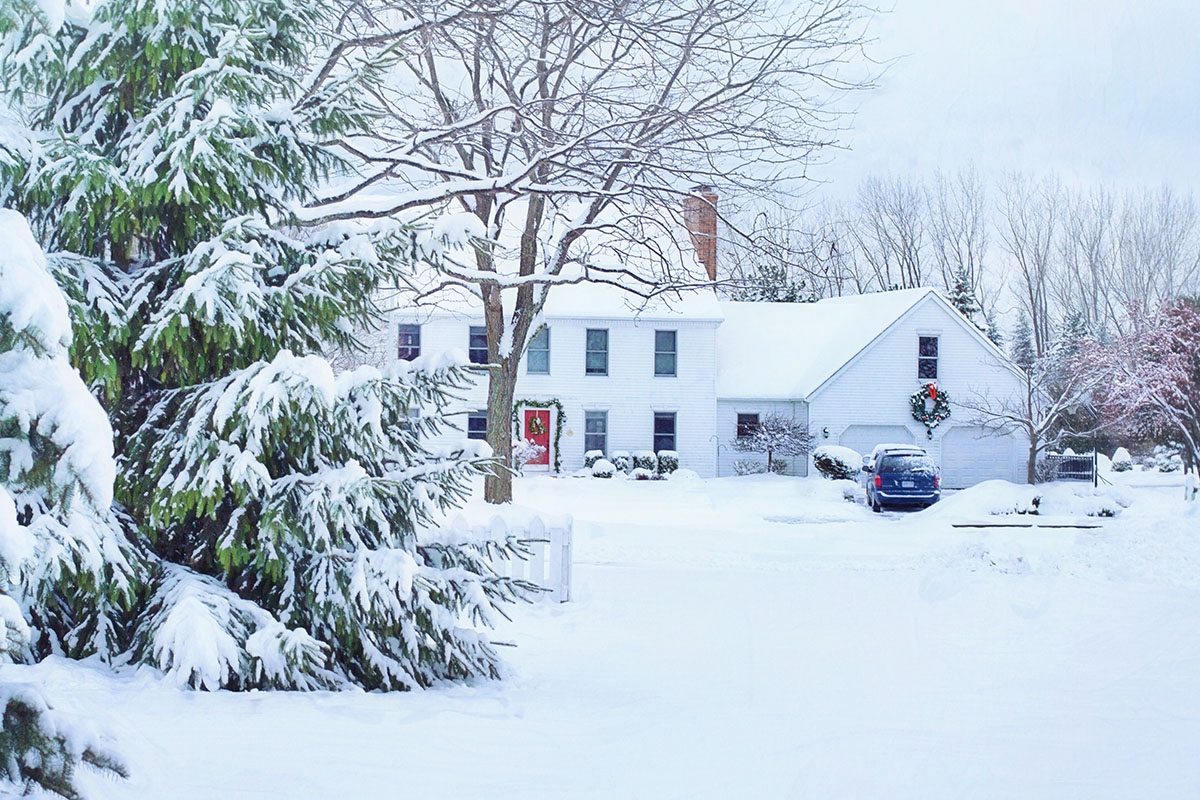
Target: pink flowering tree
1150, 377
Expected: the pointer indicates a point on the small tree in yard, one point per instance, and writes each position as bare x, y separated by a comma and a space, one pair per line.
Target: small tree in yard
775, 435
1148, 380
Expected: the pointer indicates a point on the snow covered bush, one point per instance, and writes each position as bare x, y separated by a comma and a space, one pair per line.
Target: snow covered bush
645, 459
837, 463
525, 451
668, 462
591, 457
603, 469
1166, 459
640, 474
622, 460
1121, 460
279, 508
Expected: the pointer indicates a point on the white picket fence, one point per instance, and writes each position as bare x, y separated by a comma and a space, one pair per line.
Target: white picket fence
547, 537
549, 565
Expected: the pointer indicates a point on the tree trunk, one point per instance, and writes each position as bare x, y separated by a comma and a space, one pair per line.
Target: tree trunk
1031, 465
502, 384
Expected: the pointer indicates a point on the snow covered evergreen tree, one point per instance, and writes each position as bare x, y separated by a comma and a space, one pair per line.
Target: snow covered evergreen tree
1020, 349
962, 297
284, 510
64, 562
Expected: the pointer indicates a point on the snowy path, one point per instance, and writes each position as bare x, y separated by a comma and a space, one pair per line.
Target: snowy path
711, 653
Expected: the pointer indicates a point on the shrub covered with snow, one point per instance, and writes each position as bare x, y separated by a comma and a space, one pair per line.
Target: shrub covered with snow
603, 468
684, 475
1166, 459
1001, 498
668, 462
622, 460
524, 451
1121, 460
639, 474
645, 459
837, 463
591, 457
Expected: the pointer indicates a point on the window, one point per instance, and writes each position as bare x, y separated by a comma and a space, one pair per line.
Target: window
595, 431
537, 353
409, 342
664, 353
477, 345
664, 430
746, 425
927, 358
477, 425
597, 352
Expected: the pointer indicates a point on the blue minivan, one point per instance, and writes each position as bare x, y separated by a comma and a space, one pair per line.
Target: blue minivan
903, 479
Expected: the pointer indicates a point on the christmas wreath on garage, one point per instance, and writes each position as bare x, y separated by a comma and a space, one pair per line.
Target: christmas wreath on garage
933, 416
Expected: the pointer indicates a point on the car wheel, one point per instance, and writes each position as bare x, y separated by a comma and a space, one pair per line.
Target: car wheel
875, 506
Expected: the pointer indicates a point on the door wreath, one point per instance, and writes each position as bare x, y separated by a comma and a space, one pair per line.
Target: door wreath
929, 417
536, 427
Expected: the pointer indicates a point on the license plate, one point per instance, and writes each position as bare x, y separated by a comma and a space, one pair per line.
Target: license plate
907, 484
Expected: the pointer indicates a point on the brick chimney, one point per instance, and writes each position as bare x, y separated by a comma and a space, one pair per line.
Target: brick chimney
700, 217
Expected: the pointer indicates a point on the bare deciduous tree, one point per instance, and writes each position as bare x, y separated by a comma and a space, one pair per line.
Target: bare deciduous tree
1029, 224
889, 233
571, 130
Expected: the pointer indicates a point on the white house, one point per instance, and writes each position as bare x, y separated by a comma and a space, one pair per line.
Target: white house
687, 375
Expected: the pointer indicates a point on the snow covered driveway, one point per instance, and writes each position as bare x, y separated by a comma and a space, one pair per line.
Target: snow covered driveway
712, 652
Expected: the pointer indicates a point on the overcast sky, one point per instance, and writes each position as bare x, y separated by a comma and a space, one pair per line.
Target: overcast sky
1096, 90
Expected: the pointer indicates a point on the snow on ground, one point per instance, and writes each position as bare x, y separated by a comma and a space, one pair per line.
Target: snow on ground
751, 637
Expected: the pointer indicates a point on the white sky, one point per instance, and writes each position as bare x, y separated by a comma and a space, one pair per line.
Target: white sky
1099, 91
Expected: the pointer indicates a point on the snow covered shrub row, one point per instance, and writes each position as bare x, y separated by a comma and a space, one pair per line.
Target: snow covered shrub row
668, 462
837, 463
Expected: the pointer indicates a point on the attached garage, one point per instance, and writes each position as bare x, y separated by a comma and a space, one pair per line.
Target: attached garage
863, 438
971, 455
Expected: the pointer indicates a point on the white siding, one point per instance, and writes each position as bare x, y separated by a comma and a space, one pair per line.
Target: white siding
727, 413
874, 389
630, 393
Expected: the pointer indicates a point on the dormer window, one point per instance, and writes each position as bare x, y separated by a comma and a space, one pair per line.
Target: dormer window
927, 358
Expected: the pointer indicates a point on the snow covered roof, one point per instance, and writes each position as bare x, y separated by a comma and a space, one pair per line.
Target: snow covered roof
585, 301
785, 351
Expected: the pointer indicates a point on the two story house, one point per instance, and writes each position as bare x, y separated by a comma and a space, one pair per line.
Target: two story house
694, 374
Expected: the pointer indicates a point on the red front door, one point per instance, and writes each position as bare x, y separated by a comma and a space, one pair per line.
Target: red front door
537, 430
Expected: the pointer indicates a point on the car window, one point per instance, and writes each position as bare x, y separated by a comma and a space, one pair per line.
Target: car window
907, 463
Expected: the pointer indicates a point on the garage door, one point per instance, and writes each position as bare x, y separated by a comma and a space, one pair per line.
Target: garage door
971, 455
863, 438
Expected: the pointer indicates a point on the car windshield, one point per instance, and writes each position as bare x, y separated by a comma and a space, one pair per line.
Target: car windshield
907, 463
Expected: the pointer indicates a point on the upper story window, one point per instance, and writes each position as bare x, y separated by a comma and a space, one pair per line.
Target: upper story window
927, 358
665, 355
595, 431
477, 425
664, 430
409, 342
537, 353
597, 352
477, 345
747, 424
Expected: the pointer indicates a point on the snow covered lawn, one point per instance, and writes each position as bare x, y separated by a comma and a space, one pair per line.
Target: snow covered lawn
751, 638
